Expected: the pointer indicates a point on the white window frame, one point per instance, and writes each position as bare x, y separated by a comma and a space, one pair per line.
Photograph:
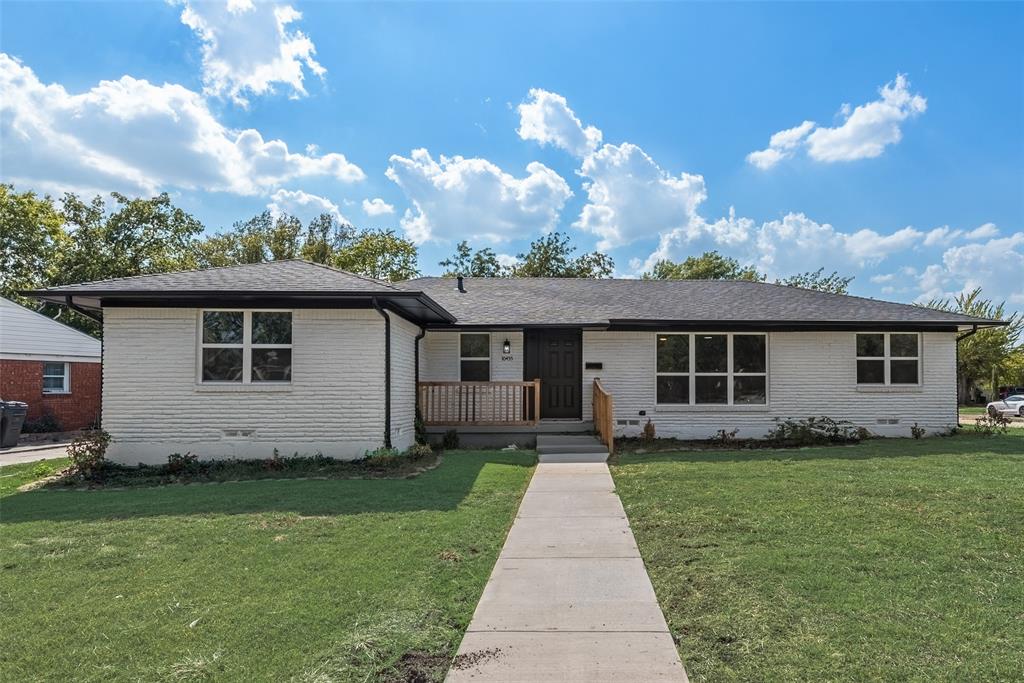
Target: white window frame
887, 358
247, 346
730, 375
66, 385
487, 358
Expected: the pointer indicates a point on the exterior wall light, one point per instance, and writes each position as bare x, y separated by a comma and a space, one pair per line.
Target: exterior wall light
506, 348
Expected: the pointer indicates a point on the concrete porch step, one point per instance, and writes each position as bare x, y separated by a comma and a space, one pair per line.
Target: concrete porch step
572, 457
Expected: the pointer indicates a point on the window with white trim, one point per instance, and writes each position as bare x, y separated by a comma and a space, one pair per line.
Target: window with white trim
710, 369
474, 357
245, 346
888, 358
56, 378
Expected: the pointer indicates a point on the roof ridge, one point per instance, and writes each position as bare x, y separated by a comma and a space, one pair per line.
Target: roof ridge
176, 272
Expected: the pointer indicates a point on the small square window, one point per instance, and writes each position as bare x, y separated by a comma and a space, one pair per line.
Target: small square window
903, 345
55, 378
674, 353
673, 389
903, 372
749, 391
713, 389
871, 372
870, 345
712, 353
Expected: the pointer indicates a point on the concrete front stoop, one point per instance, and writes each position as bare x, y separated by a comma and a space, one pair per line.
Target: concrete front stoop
569, 598
561, 448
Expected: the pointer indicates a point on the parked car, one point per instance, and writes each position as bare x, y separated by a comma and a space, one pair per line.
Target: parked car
1011, 405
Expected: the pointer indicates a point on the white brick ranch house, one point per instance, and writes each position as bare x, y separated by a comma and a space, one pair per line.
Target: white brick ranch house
299, 357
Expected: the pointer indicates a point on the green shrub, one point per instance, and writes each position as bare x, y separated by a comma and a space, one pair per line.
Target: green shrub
451, 440
815, 431
42, 425
917, 431
989, 425
383, 457
649, 433
419, 451
88, 453
726, 438
181, 464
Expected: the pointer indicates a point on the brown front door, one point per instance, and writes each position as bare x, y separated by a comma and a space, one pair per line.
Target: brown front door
556, 357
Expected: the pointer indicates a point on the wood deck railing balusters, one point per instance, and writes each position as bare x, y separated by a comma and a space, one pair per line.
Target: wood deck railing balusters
466, 403
604, 414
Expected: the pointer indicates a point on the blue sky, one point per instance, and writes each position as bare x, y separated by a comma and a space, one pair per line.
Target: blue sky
641, 129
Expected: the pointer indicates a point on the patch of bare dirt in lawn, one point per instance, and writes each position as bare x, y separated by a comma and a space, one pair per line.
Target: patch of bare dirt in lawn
417, 667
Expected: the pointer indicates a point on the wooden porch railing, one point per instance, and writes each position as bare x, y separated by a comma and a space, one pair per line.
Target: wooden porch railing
604, 412
479, 403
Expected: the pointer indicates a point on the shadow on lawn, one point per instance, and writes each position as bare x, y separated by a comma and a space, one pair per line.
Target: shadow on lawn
443, 488
966, 445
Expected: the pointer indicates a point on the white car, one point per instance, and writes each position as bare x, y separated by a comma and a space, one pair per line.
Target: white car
1011, 405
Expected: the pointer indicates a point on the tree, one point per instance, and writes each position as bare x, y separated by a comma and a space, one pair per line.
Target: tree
325, 236
708, 266
551, 256
482, 263
139, 237
31, 237
264, 237
989, 351
818, 281
378, 254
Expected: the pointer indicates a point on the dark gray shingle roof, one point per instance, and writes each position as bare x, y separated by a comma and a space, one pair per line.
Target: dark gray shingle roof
276, 276
557, 301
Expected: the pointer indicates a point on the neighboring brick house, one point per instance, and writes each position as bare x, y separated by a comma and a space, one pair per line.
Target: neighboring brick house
53, 368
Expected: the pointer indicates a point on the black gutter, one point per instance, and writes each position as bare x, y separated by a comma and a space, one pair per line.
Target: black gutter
78, 309
956, 369
387, 372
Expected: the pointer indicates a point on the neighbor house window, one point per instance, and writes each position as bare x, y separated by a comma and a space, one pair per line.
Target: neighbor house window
246, 346
56, 378
709, 369
475, 357
888, 358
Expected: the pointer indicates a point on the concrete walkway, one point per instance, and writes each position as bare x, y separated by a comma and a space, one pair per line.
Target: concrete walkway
569, 598
33, 453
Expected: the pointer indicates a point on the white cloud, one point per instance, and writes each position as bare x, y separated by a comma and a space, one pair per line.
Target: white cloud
631, 197
865, 132
547, 118
133, 136
870, 127
377, 207
248, 48
507, 260
781, 146
303, 205
995, 266
458, 198
941, 236
982, 232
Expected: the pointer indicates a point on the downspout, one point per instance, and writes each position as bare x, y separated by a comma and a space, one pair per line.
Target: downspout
956, 369
387, 372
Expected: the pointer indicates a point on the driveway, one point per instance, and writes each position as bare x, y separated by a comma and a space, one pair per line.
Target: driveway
569, 598
18, 454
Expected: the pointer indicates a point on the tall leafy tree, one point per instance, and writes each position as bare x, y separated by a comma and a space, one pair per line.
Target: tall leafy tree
817, 280
137, 237
552, 256
31, 239
325, 236
988, 352
479, 263
379, 254
708, 266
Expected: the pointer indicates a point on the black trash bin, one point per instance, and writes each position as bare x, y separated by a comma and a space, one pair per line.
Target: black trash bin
10, 422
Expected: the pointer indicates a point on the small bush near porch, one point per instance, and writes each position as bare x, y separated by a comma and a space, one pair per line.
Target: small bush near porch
890, 560
315, 580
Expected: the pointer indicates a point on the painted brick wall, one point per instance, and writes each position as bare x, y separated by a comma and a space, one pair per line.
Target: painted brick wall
810, 374
403, 382
153, 405
22, 380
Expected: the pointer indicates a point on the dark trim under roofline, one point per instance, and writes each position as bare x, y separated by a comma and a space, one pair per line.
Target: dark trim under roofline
404, 302
798, 325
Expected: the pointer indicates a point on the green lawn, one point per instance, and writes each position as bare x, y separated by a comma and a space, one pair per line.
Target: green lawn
971, 411
333, 580
890, 560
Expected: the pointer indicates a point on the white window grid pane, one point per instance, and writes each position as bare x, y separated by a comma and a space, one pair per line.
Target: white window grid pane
887, 358
729, 375
246, 346
56, 371
477, 334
